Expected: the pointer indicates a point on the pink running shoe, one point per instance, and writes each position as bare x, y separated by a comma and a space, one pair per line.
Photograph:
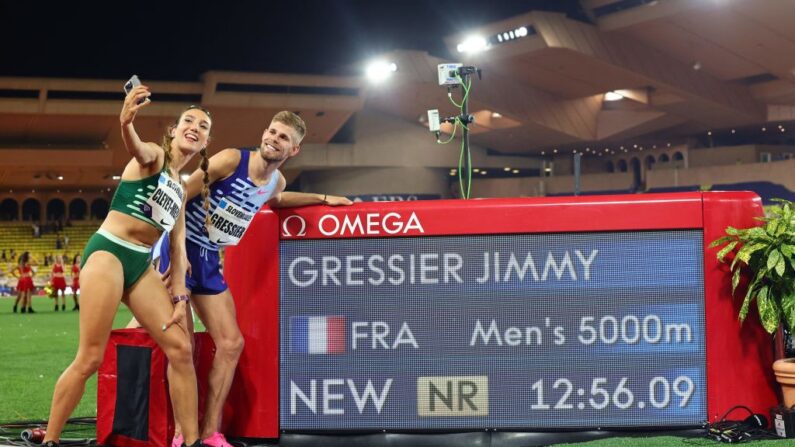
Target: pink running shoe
177, 440
217, 440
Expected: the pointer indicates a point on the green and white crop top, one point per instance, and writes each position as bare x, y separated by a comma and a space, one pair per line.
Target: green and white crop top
155, 200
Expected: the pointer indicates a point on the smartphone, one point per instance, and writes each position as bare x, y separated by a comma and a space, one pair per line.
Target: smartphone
131, 84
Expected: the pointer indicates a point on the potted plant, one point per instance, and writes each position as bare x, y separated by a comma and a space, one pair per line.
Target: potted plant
767, 253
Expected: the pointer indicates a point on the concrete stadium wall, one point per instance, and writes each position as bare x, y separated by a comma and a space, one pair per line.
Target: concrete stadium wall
776, 172
721, 168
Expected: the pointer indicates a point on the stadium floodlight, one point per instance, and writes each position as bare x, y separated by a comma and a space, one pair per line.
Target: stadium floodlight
380, 70
613, 96
472, 44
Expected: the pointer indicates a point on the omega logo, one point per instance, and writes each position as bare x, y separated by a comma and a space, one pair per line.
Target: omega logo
286, 226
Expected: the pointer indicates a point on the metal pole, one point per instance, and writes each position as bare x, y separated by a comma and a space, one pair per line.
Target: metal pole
577, 158
465, 136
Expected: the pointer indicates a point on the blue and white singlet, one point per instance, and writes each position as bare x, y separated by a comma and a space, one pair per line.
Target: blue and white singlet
233, 203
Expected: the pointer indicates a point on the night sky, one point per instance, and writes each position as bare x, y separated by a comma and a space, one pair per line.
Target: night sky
179, 40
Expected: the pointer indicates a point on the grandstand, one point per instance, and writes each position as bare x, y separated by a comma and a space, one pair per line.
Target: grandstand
18, 236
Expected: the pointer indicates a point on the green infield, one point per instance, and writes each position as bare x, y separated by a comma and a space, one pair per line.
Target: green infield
36, 348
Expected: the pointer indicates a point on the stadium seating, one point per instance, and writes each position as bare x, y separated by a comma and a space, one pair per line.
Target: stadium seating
19, 237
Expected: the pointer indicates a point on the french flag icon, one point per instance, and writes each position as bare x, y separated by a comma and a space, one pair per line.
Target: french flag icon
317, 335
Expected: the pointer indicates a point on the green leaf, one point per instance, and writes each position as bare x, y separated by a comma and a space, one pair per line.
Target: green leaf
782, 228
735, 263
735, 280
788, 310
781, 266
772, 259
769, 313
771, 227
745, 253
749, 296
731, 231
760, 275
757, 233
726, 250
720, 241
788, 250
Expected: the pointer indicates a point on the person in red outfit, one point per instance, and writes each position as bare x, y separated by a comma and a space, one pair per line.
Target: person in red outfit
25, 284
58, 281
76, 281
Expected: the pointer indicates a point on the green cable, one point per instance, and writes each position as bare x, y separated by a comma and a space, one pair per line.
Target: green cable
465, 126
452, 135
450, 97
450, 92
466, 92
466, 87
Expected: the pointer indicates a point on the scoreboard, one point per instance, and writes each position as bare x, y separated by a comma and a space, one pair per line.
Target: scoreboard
522, 314
505, 331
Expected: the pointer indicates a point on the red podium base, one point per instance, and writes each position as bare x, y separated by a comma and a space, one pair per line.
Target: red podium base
133, 405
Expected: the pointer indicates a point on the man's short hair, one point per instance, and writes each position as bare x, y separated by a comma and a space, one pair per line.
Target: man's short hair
291, 119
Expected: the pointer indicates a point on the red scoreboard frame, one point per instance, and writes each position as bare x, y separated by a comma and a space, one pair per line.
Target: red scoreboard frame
738, 357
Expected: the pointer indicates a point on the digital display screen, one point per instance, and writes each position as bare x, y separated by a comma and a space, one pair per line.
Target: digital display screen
565, 330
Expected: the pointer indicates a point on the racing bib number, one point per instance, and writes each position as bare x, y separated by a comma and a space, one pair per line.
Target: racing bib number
165, 202
228, 223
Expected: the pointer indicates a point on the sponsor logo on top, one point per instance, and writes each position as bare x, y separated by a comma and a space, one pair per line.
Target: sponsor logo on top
353, 225
294, 226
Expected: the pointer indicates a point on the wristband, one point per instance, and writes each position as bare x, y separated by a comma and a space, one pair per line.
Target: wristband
178, 298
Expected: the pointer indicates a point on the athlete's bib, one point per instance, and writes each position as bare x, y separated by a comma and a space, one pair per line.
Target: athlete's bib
164, 203
228, 223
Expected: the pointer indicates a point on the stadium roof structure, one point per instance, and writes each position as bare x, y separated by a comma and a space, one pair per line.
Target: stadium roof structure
65, 132
679, 67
